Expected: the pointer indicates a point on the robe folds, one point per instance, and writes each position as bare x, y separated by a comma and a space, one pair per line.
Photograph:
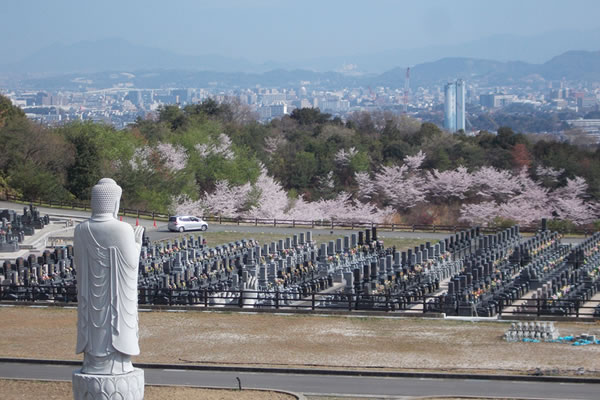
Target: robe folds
107, 297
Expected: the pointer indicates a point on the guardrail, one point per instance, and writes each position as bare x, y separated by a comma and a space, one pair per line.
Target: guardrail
580, 308
294, 223
310, 301
261, 299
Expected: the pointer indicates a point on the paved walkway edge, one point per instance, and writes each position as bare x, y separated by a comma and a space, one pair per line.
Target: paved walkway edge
333, 372
299, 396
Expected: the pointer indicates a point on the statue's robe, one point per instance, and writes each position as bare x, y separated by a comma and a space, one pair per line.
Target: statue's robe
107, 295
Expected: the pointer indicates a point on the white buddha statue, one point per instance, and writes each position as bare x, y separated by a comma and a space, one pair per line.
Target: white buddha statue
107, 253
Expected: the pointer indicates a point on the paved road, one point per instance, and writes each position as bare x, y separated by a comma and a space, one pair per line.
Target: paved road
317, 384
161, 232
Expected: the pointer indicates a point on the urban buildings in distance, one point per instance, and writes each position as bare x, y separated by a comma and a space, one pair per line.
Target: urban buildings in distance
454, 106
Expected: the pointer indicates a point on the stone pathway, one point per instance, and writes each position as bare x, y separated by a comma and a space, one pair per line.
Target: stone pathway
592, 304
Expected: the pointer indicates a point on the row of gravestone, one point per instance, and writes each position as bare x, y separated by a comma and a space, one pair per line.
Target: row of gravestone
14, 227
394, 280
49, 274
564, 282
178, 269
478, 257
567, 276
486, 283
183, 272
290, 268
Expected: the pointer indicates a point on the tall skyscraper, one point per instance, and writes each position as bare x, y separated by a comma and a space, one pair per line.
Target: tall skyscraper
460, 104
450, 107
454, 107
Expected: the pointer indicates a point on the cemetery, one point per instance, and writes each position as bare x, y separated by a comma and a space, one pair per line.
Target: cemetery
14, 227
468, 273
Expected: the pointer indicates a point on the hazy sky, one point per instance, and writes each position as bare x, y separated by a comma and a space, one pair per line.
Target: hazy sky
262, 30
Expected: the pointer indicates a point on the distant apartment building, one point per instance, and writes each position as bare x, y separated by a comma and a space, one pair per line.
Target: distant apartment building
273, 98
561, 93
496, 100
590, 126
454, 106
587, 103
264, 113
333, 105
181, 95
43, 99
278, 110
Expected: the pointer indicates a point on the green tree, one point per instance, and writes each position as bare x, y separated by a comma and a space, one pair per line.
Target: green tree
151, 131
8, 111
309, 116
172, 115
86, 170
34, 182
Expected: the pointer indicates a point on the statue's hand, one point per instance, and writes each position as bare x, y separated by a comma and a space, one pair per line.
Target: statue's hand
139, 233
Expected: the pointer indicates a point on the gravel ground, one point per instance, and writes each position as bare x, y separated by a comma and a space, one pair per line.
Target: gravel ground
26, 390
308, 341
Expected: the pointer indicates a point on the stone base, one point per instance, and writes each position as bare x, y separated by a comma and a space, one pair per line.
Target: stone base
109, 387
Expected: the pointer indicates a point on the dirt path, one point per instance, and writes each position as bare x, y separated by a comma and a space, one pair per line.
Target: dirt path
304, 341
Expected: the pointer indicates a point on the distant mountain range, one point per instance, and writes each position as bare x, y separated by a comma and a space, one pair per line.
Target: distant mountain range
115, 54
530, 49
573, 66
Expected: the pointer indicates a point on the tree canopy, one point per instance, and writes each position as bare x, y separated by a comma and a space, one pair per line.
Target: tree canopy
188, 154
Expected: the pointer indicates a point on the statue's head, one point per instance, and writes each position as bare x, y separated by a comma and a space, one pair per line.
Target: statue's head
106, 195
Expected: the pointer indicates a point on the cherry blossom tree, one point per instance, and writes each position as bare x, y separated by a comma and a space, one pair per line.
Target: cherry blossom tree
343, 157
141, 157
568, 202
222, 148
184, 205
574, 209
340, 208
576, 187
366, 186
360, 212
479, 213
447, 184
415, 162
531, 191
517, 209
526, 201
549, 172
272, 201
303, 210
327, 181
494, 183
272, 143
400, 188
333, 208
225, 199
523, 211
174, 156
